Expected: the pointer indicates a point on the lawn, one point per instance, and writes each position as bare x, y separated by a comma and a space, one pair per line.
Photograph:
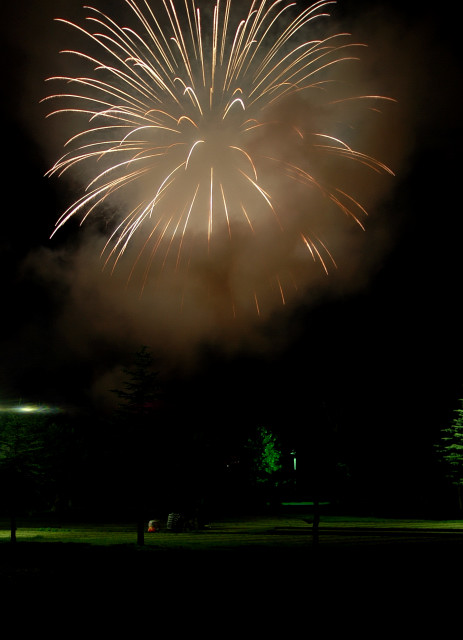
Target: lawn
272, 532
232, 560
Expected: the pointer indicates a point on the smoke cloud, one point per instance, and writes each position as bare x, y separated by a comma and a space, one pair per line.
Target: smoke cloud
237, 289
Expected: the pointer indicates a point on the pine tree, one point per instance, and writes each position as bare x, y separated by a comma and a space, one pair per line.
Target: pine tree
137, 419
140, 392
450, 451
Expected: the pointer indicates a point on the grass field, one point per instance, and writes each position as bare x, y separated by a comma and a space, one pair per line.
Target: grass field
283, 533
233, 564
294, 531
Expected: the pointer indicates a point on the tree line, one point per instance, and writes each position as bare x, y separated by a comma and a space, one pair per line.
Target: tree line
146, 459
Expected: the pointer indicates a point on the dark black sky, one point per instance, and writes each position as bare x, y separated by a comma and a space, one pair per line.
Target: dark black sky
385, 359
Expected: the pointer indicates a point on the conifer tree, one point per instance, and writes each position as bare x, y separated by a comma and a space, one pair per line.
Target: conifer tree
450, 451
137, 417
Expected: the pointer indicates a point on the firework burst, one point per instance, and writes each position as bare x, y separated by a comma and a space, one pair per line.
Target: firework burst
197, 133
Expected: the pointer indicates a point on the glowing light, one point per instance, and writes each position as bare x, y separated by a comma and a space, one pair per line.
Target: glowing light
27, 408
184, 119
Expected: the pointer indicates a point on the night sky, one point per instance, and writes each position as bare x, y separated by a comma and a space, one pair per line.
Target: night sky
379, 349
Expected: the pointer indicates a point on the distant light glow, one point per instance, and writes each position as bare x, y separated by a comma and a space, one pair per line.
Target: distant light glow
27, 408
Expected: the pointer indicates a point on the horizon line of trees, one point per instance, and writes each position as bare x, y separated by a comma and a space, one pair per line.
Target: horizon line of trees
149, 458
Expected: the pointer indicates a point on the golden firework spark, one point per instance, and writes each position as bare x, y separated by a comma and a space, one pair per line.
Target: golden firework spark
181, 121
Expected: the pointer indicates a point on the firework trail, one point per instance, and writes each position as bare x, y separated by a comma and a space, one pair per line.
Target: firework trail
198, 121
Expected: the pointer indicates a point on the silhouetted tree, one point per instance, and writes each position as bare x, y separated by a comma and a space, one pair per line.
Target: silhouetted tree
450, 452
22, 459
137, 414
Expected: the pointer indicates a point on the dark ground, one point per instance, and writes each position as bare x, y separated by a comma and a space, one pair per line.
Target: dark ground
349, 554
396, 584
